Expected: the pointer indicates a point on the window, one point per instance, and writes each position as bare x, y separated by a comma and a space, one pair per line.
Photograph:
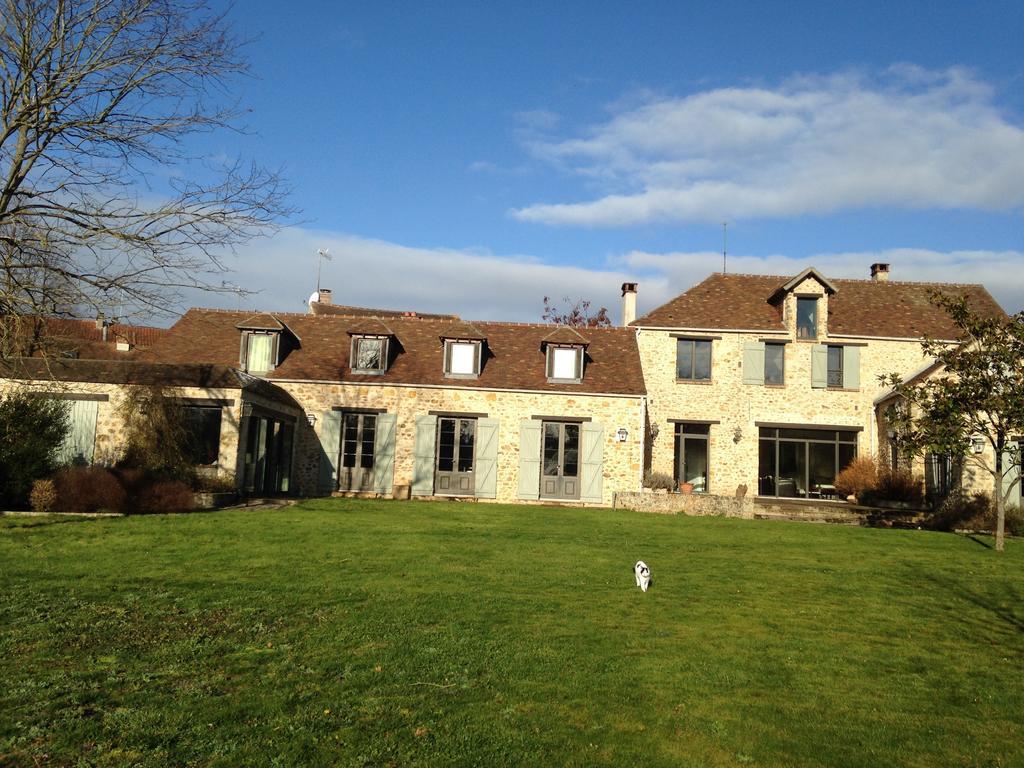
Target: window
835, 366
370, 354
775, 364
693, 359
455, 456
259, 351
462, 358
803, 463
565, 363
691, 462
202, 434
806, 317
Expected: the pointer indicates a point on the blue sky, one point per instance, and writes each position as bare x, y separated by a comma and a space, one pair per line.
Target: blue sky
475, 157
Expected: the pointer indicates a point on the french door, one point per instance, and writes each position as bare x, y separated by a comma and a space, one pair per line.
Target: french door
456, 457
358, 434
560, 461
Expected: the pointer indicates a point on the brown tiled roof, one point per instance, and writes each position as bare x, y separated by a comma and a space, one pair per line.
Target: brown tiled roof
202, 375
318, 308
858, 308
64, 334
463, 330
372, 326
514, 359
566, 334
261, 321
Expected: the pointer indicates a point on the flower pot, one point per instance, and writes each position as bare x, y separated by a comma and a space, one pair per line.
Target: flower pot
686, 488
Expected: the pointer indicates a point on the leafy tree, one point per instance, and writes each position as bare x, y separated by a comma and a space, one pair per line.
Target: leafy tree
32, 429
976, 393
156, 436
101, 202
577, 315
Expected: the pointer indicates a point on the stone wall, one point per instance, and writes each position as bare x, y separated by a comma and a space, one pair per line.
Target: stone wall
738, 407
696, 504
622, 461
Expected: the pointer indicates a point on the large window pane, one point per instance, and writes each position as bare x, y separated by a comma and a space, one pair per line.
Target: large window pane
835, 366
551, 435
702, 360
369, 354
258, 352
202, 434
774, 363
822, 464
792, 480
463, 358
563, 364
766, 468
806, 318
684, 359
368, 439
467, 437
446, 445
350, 440
571, 451
695, 463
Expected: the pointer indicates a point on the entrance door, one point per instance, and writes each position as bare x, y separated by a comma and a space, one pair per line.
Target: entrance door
456, 454
560, 468
358, 432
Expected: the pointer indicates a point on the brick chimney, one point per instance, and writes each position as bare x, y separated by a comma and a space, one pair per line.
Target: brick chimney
325, 296
628, 303
880, 272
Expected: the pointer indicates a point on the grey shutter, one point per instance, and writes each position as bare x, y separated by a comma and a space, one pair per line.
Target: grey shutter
275, 350
1011, 472
753, 362
330, 451
819, 366
487, 458
423, 456
384, 454
529, 459
593, 452
80, 440
243, 349
851, 367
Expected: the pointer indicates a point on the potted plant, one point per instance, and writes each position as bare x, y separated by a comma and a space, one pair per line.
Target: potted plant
686, 488
659, 482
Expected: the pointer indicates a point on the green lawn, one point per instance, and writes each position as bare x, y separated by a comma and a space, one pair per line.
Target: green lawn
389, 633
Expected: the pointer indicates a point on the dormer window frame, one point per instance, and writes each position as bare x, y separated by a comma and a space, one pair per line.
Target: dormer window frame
244, 351
385, 352
816, 329
551, 352
449, 351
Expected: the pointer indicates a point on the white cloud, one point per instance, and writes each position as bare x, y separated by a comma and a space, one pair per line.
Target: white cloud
477, 284
910, 138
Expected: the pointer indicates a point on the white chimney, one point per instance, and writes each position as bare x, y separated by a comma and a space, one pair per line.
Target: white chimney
880, 272
628, 303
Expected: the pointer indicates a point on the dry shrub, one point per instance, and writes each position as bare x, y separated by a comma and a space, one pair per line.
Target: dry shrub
899, 485
976, 512
88, 489
859, 477
659, 480
165, 496
44, 496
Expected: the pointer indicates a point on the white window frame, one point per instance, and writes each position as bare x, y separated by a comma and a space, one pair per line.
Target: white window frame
449, 353
384, 352
551, 354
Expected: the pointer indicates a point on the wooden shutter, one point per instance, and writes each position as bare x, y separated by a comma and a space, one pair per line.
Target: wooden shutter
80, 440
330, 451
753, 362
384, 454
819, 366
423, 456
487, 458
243, 350
529, 459
851, 367
1012, 473
593, 473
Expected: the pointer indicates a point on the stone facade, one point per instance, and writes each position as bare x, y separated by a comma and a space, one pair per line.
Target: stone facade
737, 408
621, 465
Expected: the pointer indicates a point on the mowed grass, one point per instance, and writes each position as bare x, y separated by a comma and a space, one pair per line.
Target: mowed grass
386, 633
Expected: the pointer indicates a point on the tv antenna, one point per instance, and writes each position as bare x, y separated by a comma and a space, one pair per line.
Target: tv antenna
322, 255
725, 242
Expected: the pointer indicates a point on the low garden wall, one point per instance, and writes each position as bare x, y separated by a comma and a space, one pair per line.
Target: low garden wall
697, 504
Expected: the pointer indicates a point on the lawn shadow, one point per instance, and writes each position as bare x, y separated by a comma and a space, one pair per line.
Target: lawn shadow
20, 521
974, 537
1008, 611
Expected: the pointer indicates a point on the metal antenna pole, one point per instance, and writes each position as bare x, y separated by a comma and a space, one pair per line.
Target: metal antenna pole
725, 241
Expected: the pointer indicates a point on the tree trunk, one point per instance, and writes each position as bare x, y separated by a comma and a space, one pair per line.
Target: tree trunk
1000, 506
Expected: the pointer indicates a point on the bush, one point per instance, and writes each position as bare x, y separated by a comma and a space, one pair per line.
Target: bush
44, 496
32, 429
214, 484
155, 434
659, 480
976, 512
165, 496
859, 477
900, 485
88, 489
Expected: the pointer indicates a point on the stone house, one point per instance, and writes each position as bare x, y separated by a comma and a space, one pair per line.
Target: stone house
771, 382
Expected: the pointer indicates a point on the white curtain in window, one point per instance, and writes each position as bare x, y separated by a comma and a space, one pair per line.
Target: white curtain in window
258, 357
564, 366
463, 358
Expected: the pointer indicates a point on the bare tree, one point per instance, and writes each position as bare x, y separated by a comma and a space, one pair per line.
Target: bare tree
577, 315
101, 201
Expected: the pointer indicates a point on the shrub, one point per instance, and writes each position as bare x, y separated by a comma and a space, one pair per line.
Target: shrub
859, 477
900, 485
659, 480
214, 484
155, 434
976, 512
165, 496
44, 496
88, 489
32, 429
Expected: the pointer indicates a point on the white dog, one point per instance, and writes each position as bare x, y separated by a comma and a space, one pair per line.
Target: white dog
643, 575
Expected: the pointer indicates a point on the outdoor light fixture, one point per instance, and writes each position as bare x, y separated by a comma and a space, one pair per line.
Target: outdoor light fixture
977, 444
621, 435
311, 418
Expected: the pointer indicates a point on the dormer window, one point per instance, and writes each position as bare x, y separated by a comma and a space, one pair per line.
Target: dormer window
462, 358
259, 351
369, 354
807, 317
565, 363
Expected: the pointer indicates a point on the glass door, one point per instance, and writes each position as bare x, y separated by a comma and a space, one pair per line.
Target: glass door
456, 456
560, 466
358, 435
